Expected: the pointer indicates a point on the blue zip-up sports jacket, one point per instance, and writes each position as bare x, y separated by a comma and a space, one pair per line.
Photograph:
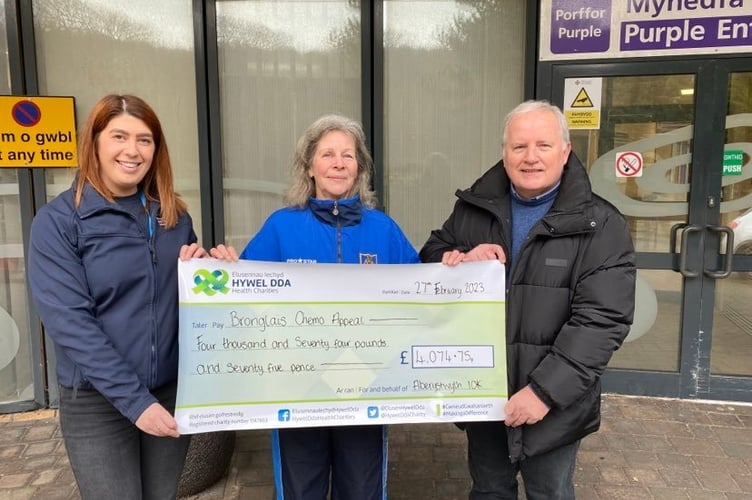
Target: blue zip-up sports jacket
107, 295
328, 231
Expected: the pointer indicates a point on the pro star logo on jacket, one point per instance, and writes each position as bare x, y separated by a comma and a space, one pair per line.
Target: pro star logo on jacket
368, 258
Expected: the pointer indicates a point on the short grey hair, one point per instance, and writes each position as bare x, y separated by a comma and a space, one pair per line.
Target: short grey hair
532, 105
303, 187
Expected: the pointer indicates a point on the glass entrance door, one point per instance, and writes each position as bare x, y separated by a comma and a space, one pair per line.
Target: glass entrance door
18, 349
686, 128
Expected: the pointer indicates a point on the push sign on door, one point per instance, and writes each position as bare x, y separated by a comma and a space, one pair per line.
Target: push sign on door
732, 162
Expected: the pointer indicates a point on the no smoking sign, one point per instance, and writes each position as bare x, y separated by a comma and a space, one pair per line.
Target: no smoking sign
628, 164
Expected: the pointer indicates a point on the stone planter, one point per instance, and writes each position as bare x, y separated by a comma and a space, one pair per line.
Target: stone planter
208, 458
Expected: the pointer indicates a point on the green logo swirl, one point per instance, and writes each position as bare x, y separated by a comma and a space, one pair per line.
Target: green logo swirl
211, 282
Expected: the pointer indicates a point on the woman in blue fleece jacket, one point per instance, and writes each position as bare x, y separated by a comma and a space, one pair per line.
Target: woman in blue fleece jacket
103, 274
330, 218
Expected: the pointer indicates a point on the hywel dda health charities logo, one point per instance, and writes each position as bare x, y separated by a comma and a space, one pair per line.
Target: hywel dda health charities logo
211, 282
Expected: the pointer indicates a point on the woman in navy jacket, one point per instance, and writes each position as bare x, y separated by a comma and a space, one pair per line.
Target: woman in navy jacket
103, 274
330, 218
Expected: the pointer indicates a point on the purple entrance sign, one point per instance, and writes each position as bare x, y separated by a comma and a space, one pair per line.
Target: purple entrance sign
576, 28
727, 31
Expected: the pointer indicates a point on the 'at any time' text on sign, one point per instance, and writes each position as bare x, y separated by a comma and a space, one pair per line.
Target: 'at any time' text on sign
37, 132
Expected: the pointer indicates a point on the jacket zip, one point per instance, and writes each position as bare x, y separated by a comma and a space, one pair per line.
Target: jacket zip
153, 369
154, 336
338, 229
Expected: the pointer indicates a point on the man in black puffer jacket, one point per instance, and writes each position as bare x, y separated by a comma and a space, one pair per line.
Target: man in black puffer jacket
570, 300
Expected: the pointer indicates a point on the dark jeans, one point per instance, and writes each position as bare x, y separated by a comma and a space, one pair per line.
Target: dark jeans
354, 457
549, 476
110, 457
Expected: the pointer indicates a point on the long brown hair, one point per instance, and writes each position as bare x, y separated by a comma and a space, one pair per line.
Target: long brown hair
157, 184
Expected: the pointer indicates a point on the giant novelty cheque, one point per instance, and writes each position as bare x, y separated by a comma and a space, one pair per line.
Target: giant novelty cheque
278, 345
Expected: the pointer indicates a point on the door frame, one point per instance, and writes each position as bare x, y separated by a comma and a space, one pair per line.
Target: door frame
693, 379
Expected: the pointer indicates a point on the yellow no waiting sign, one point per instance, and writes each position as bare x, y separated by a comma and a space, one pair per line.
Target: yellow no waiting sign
37, 131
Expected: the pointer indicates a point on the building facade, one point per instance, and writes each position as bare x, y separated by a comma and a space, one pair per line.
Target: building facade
658, 96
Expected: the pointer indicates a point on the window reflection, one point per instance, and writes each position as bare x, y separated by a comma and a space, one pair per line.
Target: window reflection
16, 378
652, 116
282, 64
649, 115
732, 327
452, 70
89, 48
652, 343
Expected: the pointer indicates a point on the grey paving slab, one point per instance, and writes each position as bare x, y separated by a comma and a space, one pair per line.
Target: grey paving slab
647, 448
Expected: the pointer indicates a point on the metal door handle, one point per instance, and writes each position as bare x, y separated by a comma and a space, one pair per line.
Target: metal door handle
728, 255
672, 236
683, 269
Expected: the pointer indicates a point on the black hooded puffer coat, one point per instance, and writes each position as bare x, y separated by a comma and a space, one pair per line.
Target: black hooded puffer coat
570, 297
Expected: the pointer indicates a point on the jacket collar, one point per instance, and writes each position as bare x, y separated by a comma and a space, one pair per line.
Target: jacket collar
93, 202
344, 212
571, 211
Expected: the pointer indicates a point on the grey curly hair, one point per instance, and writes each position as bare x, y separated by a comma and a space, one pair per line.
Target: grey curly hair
303, 187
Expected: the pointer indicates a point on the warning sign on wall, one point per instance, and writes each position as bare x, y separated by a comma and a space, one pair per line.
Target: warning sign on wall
582, 100
582, 103
37, 131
